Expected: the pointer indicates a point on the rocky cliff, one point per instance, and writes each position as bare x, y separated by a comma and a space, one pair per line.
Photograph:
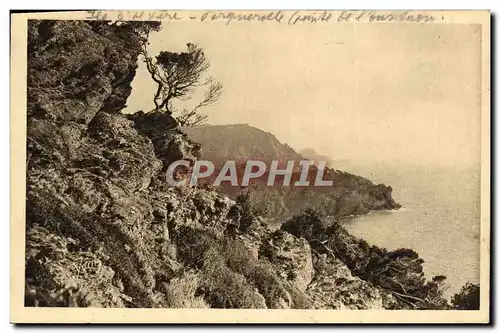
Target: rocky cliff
349, 195
104, 230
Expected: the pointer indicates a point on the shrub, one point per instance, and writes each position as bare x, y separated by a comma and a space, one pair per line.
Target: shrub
220, 286
227, 289
181, 292
398, 272
263, 276
468, 298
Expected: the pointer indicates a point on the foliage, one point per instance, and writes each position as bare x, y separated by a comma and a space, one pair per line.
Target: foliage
468, 298
181, 292
104, 231
245, 210
231, 275
221, 286
269, 202
399, 272
179, 74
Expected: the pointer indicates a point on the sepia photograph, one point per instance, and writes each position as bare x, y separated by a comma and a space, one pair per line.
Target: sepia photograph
211, 166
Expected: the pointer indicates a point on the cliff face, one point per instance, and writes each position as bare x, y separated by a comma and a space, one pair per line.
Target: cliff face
104, 230
349, 195
91, 176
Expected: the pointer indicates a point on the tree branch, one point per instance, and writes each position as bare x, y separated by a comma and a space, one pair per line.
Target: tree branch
176, 76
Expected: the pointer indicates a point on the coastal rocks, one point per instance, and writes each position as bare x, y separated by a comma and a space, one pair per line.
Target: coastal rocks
105, 230
355, 195
348, 195
382, 198
334, 287
398, 274
291, 256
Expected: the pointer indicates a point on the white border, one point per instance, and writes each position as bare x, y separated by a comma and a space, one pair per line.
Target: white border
187, 4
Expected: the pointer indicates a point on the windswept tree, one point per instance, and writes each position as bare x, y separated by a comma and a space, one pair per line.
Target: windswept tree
177, 76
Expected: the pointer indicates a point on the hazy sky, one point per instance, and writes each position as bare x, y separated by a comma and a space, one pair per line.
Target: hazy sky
362, 92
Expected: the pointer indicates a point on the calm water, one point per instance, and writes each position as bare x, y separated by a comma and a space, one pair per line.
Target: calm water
440, 220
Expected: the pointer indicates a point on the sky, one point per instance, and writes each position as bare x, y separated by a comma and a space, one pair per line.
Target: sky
406, 93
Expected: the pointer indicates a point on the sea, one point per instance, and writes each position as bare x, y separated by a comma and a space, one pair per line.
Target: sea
440, 219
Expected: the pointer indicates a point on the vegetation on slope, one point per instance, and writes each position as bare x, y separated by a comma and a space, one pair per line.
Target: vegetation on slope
103, 229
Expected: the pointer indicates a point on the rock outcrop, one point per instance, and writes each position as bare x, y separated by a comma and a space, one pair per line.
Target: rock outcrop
292, 257
92, 177
334, 287
349, 194
103, 228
